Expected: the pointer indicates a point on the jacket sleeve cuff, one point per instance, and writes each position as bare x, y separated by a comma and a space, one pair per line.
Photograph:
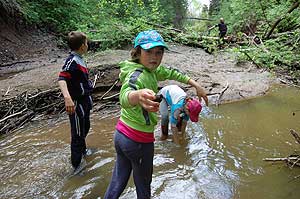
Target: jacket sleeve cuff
124, 99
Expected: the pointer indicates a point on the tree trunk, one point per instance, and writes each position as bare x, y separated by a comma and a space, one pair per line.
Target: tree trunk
292, 8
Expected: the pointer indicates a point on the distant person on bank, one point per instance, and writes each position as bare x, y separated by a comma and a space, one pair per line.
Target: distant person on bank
222, 29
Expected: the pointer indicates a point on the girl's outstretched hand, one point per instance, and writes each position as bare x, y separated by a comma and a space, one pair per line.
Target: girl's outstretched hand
200, 91
145, 98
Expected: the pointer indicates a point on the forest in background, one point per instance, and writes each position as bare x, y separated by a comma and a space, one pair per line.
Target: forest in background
266, 32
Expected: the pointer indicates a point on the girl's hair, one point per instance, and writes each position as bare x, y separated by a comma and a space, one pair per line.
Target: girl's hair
135, 54
76, 39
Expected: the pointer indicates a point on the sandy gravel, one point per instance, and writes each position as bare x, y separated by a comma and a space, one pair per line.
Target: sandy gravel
214, 72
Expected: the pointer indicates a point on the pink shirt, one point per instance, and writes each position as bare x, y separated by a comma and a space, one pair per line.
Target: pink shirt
135, 135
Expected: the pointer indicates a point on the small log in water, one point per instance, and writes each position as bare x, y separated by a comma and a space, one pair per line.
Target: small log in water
292, 160
280, 159
295, 135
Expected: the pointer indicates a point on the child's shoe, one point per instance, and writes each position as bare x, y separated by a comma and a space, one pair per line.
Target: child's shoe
80, 167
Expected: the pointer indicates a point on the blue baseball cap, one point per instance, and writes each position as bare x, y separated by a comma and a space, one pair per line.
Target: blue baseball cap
149, 39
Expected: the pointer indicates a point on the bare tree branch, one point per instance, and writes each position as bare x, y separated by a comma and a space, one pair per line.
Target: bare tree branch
292, 8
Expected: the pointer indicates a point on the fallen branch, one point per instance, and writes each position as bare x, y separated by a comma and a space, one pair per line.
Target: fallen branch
109, 89
292, 160
294, 163
282, 34
256, 64
13, 115
240, 94
285, 82
295, 134
164, 27
48, 106
97, 76
280, 159
196, 18
221, 94
14, 63
8, 89
209, 94
8, 112
34, 96
110, 97
291, 9
22, 108
12, 125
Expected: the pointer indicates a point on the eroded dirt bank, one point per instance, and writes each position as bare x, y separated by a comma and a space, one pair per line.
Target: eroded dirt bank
216, 73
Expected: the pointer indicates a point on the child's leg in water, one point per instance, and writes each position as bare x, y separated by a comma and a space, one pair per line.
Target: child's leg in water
179, 132
135, 157
163, 108
176, 135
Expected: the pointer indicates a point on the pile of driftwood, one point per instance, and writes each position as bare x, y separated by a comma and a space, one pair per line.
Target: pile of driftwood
18, 110
291, 160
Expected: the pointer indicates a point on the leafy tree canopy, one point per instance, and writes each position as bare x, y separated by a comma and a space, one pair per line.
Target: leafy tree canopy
114, 23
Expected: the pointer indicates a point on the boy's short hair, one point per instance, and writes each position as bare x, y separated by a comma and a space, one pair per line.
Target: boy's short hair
76, 39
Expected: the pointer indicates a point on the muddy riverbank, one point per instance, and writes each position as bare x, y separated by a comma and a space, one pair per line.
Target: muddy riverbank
216, 73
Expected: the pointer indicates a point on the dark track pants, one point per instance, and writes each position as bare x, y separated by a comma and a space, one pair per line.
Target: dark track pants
80, 125
131, 156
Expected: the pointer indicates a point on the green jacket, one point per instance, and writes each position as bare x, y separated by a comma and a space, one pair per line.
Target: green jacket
134, 77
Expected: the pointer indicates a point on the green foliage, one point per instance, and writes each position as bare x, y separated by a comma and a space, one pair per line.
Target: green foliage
257, 17
113, 22
275, 52
214, 6
58, 15
239, 15
197, 26
117, 22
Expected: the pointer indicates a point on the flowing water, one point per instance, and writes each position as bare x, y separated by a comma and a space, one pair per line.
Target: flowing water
221, 159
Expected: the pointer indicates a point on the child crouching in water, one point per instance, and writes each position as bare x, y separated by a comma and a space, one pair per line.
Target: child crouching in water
182, 108
134, 137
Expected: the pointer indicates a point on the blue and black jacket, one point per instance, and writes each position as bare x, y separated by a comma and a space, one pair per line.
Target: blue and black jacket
75, 73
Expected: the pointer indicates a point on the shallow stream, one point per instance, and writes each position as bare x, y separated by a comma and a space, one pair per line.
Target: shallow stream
221, 159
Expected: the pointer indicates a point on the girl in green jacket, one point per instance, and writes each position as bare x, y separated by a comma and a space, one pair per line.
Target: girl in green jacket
134, 136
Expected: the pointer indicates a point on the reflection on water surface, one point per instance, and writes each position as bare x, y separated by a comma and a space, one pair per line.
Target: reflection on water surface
222, 157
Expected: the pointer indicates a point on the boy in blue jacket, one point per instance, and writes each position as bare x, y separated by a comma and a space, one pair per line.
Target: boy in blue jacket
76, 88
